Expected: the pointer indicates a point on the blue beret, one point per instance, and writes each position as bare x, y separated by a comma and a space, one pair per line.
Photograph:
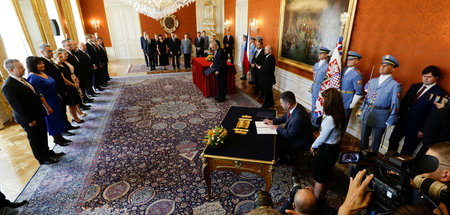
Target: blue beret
259, 38
252, 38
353, 55
389, 59
324, 50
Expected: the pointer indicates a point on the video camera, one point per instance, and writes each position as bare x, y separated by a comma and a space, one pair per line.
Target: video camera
392, 182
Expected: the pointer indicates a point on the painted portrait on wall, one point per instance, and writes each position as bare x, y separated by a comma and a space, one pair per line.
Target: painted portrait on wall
306, 25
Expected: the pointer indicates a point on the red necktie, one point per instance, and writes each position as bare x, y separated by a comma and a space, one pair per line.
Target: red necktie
419, 93
289, 114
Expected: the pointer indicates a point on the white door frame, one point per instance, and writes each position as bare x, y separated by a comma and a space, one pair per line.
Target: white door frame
240, 27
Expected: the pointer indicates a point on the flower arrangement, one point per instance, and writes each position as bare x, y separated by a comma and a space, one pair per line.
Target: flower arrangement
216, 136
210, 58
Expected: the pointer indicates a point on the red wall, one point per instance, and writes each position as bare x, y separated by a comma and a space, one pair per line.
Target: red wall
187, 23
230, 14
416, 32
95, 9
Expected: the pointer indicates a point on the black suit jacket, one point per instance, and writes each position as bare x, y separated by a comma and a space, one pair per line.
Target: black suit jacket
437, 127
175, 46
298, 128
26, 104
143, 43
199, 43
74, 61
52, 70
230, 42
85, 63
267, 71
152, 46
93, 53
258, 60
220, 63
102, 55
415, 113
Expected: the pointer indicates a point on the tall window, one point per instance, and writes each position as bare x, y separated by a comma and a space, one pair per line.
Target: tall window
53, 14
76, 16
16, 45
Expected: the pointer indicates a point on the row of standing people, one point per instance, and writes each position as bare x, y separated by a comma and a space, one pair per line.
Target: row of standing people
57, 83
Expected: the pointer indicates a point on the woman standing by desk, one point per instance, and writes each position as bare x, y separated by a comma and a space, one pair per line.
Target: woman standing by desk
327, 145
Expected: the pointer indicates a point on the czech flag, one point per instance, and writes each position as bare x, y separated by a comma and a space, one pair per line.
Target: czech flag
245, 62
333, 76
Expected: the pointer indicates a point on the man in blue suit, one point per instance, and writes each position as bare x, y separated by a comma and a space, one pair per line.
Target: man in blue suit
351, 86
381, 104
296, 135
144, 45
414, 110
220, 70
320, 71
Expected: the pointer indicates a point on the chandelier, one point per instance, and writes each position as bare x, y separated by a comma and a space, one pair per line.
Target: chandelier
158, 9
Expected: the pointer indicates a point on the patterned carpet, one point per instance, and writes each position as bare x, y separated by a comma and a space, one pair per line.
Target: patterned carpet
139, 153
134, 68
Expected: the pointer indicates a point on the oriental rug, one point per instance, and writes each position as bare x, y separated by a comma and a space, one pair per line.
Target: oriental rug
142, 68
139, 153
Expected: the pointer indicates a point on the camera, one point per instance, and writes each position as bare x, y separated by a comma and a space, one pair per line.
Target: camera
391, 184
438, 99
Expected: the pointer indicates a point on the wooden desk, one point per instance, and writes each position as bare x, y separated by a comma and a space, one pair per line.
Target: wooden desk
207, 84
242, 153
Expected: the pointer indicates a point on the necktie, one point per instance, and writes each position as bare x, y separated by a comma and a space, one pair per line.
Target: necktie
289, 114
419, 93
24, 81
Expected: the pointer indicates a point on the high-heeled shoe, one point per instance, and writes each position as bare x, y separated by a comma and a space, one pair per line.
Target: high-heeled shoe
60, 140
81, 121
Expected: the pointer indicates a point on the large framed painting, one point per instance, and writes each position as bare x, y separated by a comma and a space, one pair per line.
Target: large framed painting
306, 25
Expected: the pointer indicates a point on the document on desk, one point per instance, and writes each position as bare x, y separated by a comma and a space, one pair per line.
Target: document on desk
262, 128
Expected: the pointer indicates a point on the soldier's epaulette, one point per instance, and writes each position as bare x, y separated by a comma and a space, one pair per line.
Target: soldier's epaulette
357, 70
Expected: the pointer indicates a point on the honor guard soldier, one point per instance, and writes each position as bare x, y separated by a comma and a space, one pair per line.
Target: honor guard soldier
320, 71
351, 86
381, 104
251, 55
241, 56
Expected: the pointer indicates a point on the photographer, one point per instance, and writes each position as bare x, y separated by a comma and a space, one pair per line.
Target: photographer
356, 199
304, 203
436, 129
442, 152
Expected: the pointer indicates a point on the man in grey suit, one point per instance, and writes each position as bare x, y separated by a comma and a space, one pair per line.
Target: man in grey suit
206, 43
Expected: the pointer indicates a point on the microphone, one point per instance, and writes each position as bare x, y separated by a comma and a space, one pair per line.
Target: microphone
434, 189
423, 164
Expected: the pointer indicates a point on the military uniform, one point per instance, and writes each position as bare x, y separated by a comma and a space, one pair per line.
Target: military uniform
380, 107
351, 85
319, 74
241, 58
251, 55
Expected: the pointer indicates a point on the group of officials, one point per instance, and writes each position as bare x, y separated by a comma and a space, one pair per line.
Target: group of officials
58, 83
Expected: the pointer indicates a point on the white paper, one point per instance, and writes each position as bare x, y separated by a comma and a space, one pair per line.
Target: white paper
262, 128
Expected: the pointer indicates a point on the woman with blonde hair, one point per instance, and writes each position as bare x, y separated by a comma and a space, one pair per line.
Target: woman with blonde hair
73, 98
326, 147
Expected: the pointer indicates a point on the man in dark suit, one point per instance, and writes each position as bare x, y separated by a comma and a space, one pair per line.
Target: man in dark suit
220, 70
144, 43
296, 135
199, 45
155, 56
151, 53
414, 110
256, 63
86, 71
267, 77
175, 51
93, 52
82, 74
228, 45
89, 72
28, 111
104, 59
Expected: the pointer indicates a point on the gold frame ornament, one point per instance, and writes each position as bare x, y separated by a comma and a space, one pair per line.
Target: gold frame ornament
346, 30
169, 23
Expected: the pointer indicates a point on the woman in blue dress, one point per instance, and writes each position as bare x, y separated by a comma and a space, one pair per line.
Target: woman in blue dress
46, 87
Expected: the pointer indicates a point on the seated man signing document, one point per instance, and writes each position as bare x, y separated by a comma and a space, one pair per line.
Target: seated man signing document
296, 135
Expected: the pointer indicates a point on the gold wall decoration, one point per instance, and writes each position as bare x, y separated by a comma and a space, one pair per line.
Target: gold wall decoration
307, 25
23, 24
69, 18
43, 21
169, 23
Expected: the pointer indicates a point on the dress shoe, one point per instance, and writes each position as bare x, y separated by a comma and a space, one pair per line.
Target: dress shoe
79, 122
49, 160
84, 108
67, 133
93, 95
99, 88
216, 97
59, 154
16, 204
71, 127
221, 100
61, 143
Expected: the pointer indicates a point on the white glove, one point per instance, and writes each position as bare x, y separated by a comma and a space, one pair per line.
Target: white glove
355, 100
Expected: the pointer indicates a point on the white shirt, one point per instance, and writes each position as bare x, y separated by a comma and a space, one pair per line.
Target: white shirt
322, 62
426, 89
257, 52
383, 78
349, 69
328, 133
292, 110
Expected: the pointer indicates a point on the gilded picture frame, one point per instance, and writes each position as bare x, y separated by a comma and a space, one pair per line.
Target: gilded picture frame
306, 25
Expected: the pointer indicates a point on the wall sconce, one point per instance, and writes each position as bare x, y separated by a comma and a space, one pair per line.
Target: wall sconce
95, 24
227, 24
253, 25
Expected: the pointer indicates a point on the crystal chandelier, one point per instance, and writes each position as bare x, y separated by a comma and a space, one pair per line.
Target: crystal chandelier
158, 9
